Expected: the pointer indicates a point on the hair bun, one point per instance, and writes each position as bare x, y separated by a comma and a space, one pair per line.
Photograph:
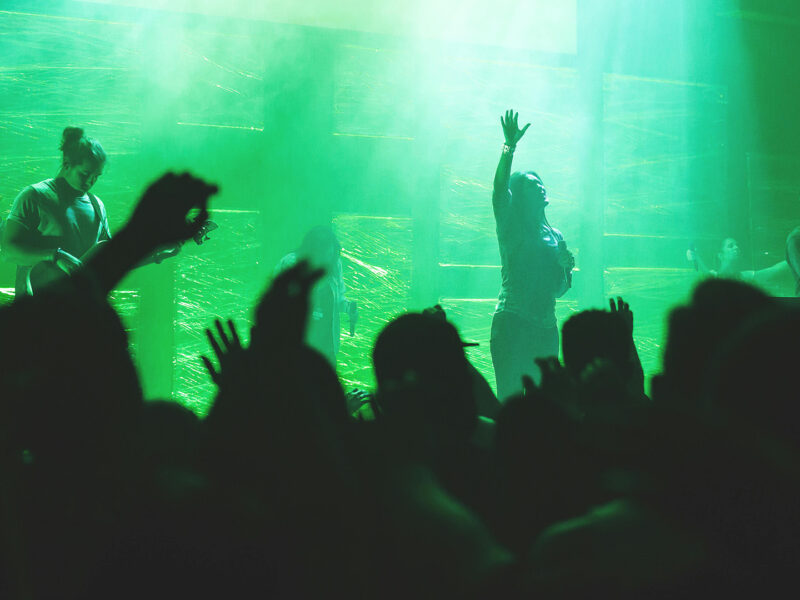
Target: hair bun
71, 136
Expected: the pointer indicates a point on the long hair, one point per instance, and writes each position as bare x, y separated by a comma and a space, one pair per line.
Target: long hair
320, 237
515, 187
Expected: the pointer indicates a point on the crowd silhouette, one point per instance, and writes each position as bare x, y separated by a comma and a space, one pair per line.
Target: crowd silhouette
581, 486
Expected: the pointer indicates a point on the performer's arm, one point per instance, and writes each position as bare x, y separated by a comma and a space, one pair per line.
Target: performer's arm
770, 274
23, 243
699, 264
512, 134
23, 247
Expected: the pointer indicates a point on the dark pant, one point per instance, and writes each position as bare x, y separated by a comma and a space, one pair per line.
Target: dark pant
515, 343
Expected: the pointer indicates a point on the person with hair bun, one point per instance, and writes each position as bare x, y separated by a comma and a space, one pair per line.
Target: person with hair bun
58, 219
536, 268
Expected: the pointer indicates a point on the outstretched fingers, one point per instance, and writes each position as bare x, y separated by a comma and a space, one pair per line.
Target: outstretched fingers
235, 340
213, 373
215, 346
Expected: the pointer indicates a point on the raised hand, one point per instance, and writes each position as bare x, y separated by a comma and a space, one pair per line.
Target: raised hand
555, 380
228, 350
162, 216
556, 384
356, 398
511, 129
282, 312
623, 309
566, 259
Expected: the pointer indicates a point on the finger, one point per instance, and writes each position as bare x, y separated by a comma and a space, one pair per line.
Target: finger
214, 345
524, 129
237, 342
528, 386
551, 364
611, 305
223, 337
543, 364
210, 368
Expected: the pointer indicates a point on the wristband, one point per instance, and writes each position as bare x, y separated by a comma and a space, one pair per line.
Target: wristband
508, 149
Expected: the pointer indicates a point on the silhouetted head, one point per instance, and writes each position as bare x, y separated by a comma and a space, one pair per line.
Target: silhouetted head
528, 195
753, 376
83, 159
422, 373
717, 309
69, 383
320, 247
595, 334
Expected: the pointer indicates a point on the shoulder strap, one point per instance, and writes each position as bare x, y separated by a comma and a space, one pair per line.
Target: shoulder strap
101, 214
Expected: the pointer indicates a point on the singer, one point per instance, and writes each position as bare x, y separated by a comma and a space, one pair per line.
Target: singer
321, 248
536, 269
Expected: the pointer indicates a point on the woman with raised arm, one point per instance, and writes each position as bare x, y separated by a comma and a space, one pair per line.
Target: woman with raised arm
729, 261
536, 269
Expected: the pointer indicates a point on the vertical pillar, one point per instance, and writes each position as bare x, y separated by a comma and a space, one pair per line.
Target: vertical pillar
591, 19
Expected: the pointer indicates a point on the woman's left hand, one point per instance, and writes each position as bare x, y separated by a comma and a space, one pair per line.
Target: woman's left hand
566, 260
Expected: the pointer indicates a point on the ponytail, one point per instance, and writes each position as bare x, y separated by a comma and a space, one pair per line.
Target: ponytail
76, 147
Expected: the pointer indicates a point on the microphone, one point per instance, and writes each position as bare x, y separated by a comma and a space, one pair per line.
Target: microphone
352, 312
693, 250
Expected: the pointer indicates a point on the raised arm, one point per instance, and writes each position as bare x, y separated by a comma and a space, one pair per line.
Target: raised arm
699, 264
161, 218
512, 134
773, 274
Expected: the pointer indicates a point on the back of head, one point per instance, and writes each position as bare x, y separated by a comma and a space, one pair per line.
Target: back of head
77, 148
69, 382
595, 334
717, 309
418, 356
319, 238
752, 378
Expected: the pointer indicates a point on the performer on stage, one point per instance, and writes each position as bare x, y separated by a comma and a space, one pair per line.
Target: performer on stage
536, 269
729, 259
322, 249
58, 218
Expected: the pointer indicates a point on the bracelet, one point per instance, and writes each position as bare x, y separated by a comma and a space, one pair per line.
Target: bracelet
508, 149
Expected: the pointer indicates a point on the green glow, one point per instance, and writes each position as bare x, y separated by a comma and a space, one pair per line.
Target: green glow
383, 118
